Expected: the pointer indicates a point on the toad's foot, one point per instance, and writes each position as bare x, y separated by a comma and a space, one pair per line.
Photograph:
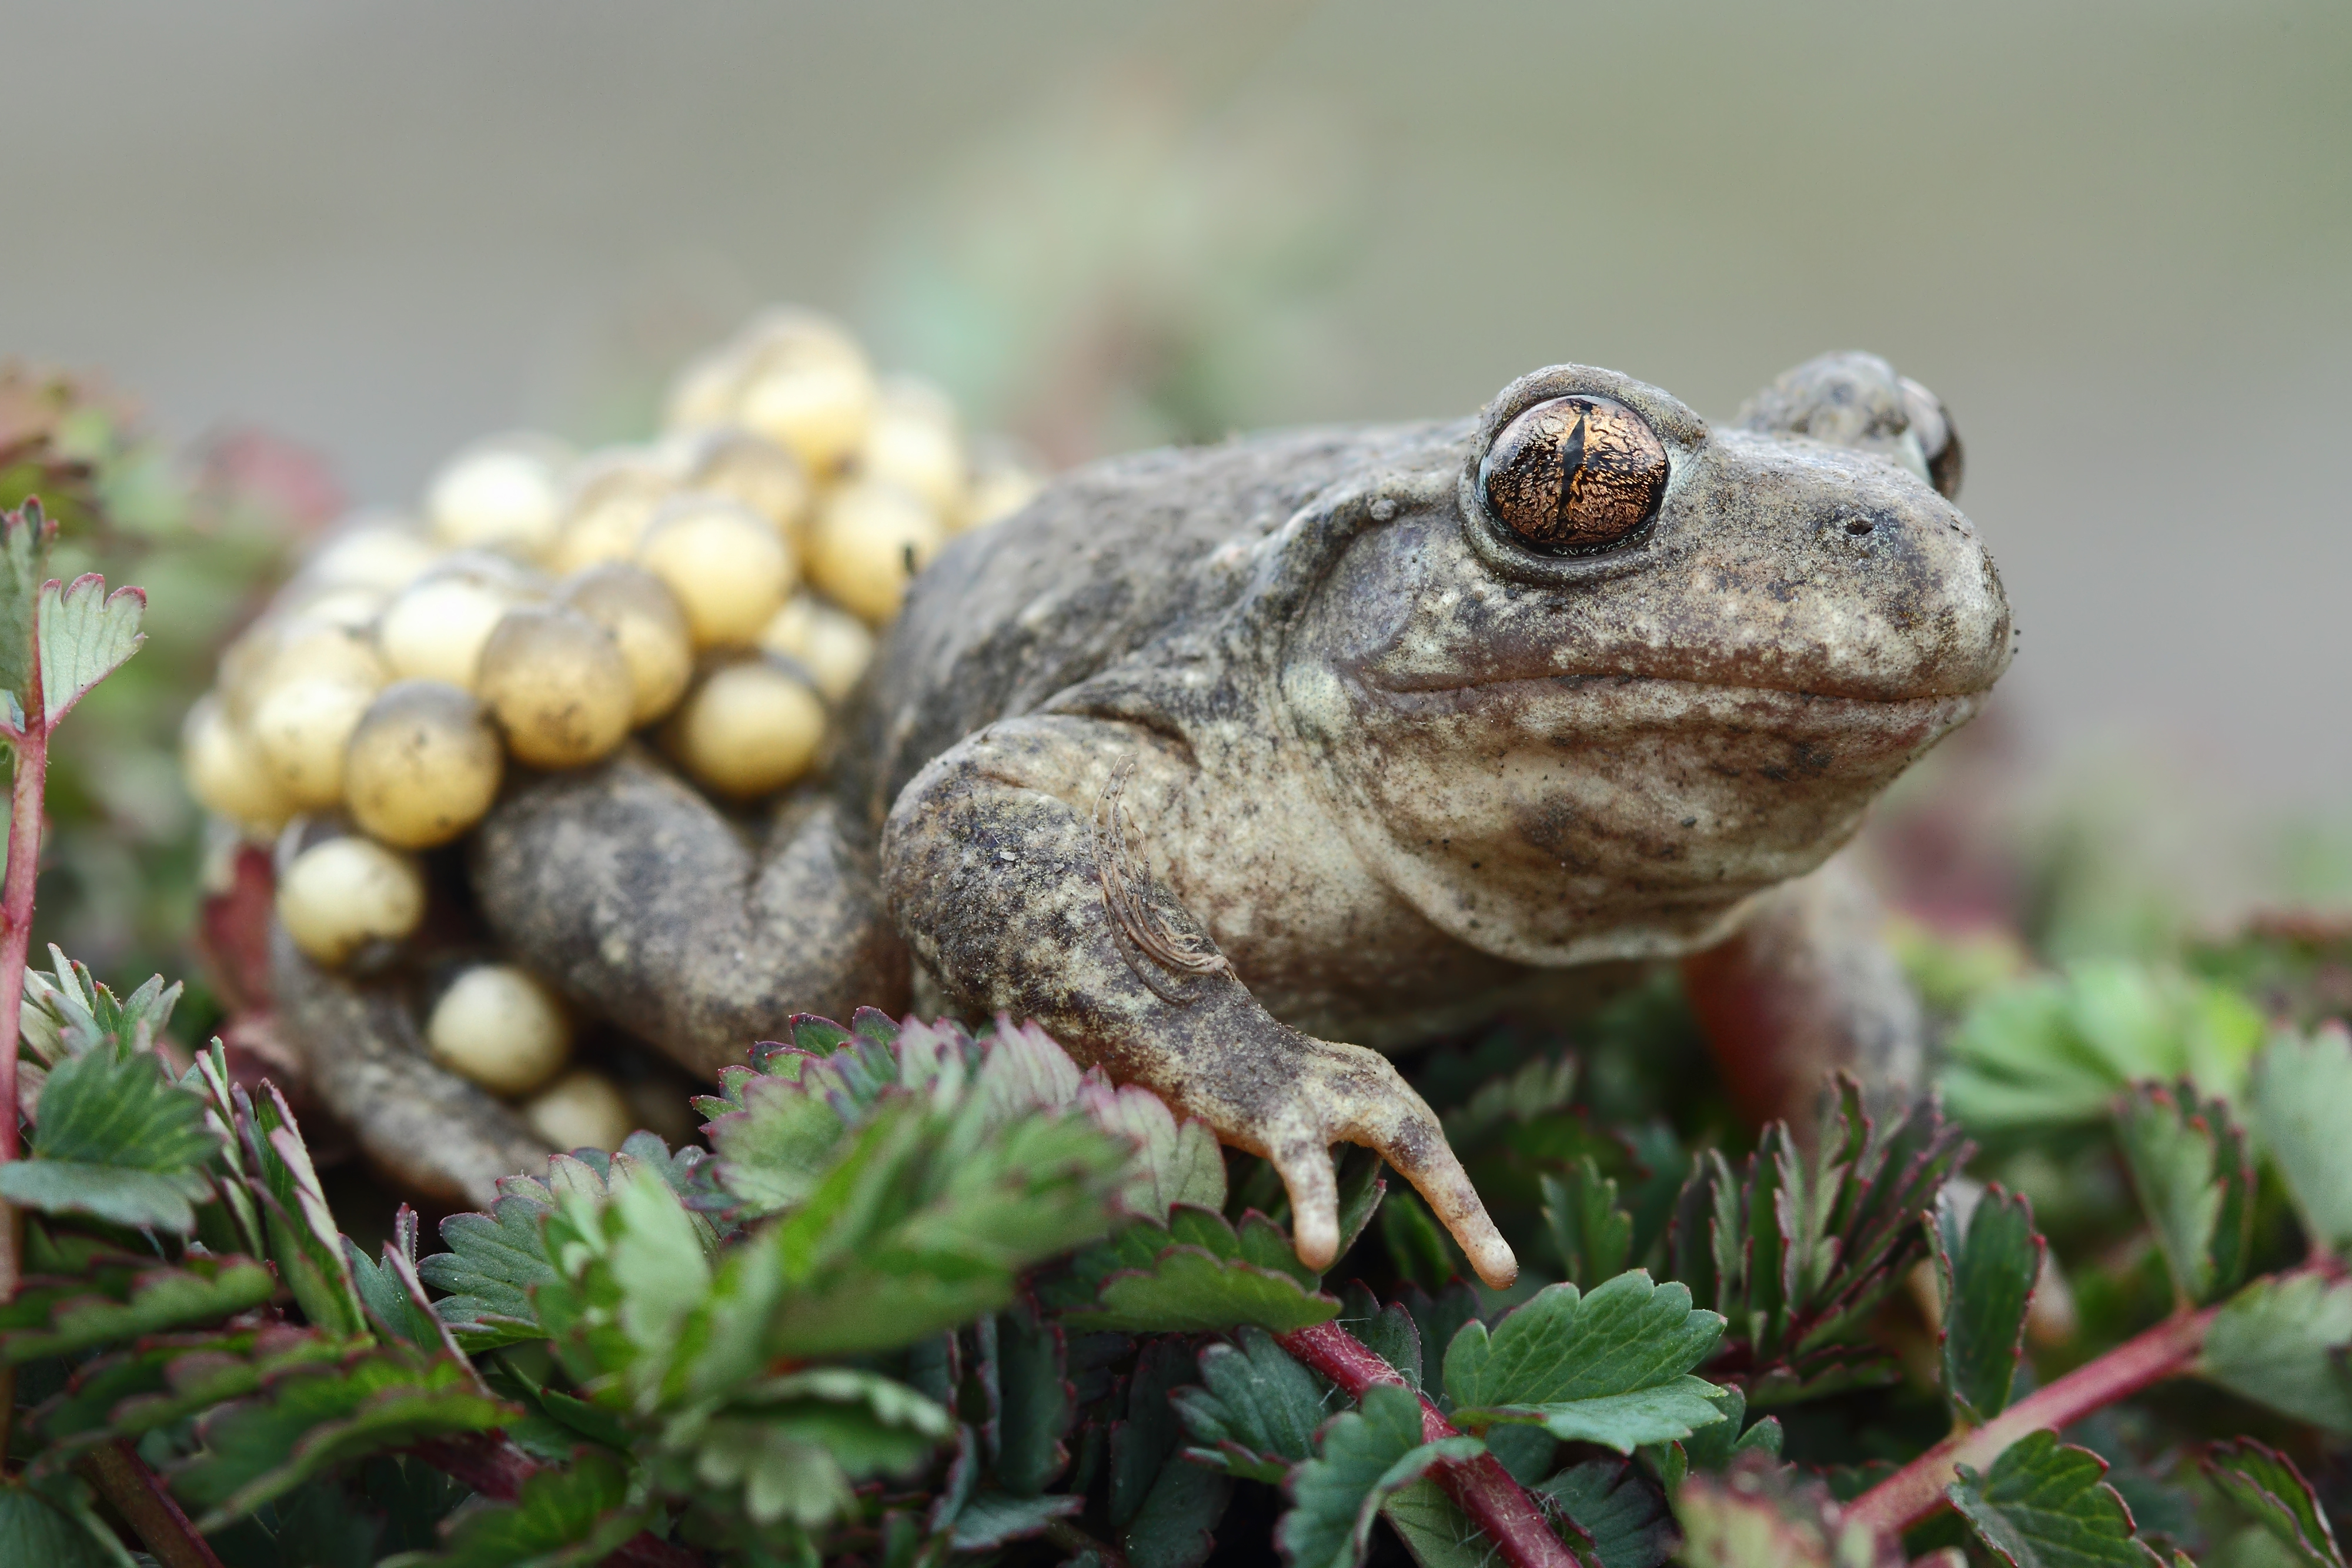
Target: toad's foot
1020, 902
1301, 1095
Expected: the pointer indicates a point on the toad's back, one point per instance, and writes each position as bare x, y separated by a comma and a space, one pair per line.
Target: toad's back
1107, 560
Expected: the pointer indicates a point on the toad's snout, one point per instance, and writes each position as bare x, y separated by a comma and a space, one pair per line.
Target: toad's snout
1833, 572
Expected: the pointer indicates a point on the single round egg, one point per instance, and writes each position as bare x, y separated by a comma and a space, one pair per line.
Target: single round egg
337, 896
499, 1026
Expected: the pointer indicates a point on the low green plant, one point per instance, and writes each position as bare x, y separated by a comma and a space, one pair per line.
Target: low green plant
932, 1297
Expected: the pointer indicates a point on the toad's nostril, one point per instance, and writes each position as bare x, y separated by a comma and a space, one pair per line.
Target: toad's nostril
1860, 527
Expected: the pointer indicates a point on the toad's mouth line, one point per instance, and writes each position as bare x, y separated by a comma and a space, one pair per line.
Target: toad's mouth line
1552, 683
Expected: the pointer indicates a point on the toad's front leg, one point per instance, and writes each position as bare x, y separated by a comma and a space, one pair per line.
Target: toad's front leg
1013, 873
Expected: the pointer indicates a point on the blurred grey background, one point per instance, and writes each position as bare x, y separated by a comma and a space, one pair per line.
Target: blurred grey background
2116, 237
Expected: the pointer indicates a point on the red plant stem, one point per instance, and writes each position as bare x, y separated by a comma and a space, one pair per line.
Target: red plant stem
496, 1468
1482, 1487
1916, 1490
17, 914
147, 1506
32, 772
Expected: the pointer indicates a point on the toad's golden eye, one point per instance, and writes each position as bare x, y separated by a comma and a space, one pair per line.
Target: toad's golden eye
1575, 474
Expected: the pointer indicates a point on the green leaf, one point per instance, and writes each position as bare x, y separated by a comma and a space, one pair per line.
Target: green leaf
494, 1263
144, 1200
1593, 1236
2055, 1051
32, 1530
2195, 1180
2045, 1505
1176, 1162
793, 1447
119, 1141
1415, 1242
2302, 1105
1175, 1527
1036, 1404
86, 633
67, 1011
1198, 1273
383, 1289
927, 1219
561, 1516
1369, 1455
125, 1298
1987, 1276
2283, 1342
303, 1240
1143, 1447
1434, 1530
1611, 1367
773, 1152
24, 535
1256, 1410
312, 1419
1388, 1332
1716, 1446
163, 1379
1187, 1290
993, 1518
1618, 1509
1797, 1260
2265, 1483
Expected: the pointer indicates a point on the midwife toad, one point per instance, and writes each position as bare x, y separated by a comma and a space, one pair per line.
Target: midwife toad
1211, 760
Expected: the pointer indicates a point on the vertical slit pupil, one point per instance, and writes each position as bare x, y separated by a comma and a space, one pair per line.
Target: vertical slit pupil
1571, 469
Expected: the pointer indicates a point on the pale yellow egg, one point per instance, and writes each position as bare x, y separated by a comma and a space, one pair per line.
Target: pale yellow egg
225, 771
499, 1027
727, 567
748, 727
866, 544
338, 896
833, 645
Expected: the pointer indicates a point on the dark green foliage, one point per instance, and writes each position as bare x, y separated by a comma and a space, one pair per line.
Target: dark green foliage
575, 1514
119, 1296
1368, 1456
1986, 1274
35, 1531
1624, 1515
2265, 1484
1256, 1410
307, 1418
1593, 1236
1035, 1404
115, 1140
2047, 1505
2196, 1183
1797, 1254
1612, 1367
940, 1297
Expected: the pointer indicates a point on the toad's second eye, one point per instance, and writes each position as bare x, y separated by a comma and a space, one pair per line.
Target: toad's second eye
1575, 474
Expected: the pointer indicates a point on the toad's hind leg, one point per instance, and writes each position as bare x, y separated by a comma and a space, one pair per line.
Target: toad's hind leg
630, 893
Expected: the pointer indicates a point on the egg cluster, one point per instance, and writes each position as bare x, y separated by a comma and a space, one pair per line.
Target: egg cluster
720, 587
